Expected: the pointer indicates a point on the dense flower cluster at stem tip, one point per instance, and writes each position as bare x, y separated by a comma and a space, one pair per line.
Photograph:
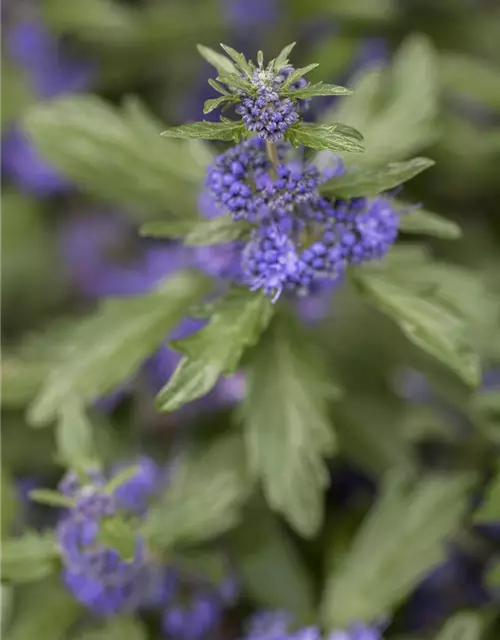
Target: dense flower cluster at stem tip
300, 239
108, 583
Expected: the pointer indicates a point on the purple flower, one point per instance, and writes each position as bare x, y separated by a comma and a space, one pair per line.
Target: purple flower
242, 14
194, 608
52, 71
134, 494
270, 261
22, 163
454, 584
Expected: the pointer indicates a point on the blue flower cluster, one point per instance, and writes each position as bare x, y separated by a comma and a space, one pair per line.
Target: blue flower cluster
97, 575
106, 583
267, 113
300, 238
279, 625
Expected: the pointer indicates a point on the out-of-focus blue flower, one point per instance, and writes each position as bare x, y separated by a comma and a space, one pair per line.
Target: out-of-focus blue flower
455, 584
22, 163
134, 493
356, 632
96, 574
194, 608
51, 71
242, 15
51, 67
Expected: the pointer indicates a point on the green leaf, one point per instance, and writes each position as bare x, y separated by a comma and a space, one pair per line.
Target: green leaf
6, 606
7, 503
117, 155
269, 565
74, 435
205, 496
119, 627
489, 511
296, 75
240, 60
218, 87
235, 83
396, 109
425, 321
318, 89
107, 347
217, 60
168, 228
29, 558
121, 477
492, 577
286, 422
485, 412
116, 533
207, 131
51, 498
45, 611
217, 231
370, 181
213, 103
462, 626
17, 93
216, 350
471, 77
282, 59
425, 222
400, 540
330, 137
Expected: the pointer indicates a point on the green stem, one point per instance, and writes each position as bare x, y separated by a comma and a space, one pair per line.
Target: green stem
272, 152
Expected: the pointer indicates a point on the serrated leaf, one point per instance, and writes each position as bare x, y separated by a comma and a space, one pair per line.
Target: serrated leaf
240, 60
425, 321
318, 89
331, 137
296, 75
207, 131
429, 223
218, 87
282, 59
401, 538
213, 103
108, 346
286, 423
74, 435
205, 496
269, 565
236, 83
217, 231
117, 155
462, 626
8, 503
51, 498
370, 181
217, 60
29, 558
168, 228
489, 511
45, 611
216, 350
396, 109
